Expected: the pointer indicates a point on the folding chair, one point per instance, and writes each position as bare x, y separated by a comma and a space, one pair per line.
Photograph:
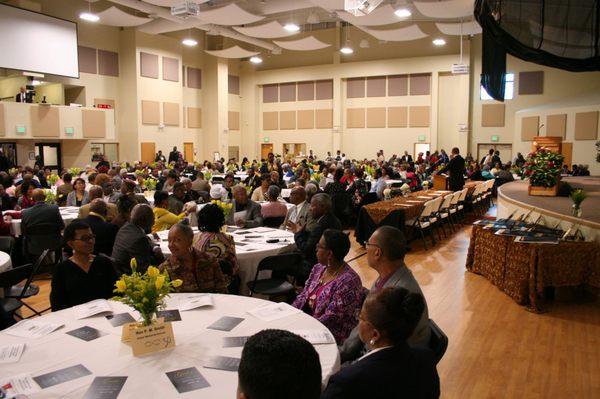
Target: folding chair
444, 213
9, 278
27, 290
7, 245
422, 222
438, 342
281, 266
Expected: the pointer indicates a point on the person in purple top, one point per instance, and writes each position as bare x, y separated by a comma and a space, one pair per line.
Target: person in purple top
333, 292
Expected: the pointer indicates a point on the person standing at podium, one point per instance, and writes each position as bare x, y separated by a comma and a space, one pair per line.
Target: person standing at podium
22, 97
456, 170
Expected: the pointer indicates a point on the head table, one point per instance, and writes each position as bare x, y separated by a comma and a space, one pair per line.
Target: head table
146, 378
251, 247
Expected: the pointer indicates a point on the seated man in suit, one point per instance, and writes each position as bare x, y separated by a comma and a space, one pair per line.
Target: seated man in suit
132, 242
94, 193
385, 254
245, 213
279, 364
41, 225
105, 232
297, 214
306, 241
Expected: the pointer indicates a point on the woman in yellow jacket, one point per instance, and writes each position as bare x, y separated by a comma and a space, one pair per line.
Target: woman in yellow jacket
163, 219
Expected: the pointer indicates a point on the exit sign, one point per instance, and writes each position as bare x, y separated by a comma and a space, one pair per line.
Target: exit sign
421, 137
495, 137
20, 129
69, 130
266, 139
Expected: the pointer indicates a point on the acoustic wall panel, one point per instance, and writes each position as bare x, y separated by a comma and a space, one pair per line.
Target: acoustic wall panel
492, 115
586, 125
306, 91
324, 89
87, 59
171, 113
324, 118
2, 123
355, 118
556, 125
233, 119
108, 63
420, 84
150, 112
287, 120
287, 92
270, 120
149, 65
376, 117
233, 84
397, 117
93, 123
376, 86
306, 119
531, 82
355, 88
529, 127
397, 85
270, 93
170, 69
194, 117
194, 78
44, 121
418, 116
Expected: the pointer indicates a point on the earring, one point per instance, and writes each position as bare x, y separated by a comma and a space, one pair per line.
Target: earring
372, 342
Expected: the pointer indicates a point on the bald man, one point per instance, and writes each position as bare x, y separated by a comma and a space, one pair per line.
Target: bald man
96, 192
299, 212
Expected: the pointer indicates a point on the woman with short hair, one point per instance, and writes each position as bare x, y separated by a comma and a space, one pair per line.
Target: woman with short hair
333, 291
78, 196
390, 369
273, 208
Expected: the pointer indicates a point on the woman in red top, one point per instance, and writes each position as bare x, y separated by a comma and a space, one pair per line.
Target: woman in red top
25, 200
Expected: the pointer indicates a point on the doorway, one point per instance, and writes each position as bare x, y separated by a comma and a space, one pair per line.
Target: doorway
50, 155
421, 147
148, 152
265, 149
294, 149
188, 152
10, 152
234, 152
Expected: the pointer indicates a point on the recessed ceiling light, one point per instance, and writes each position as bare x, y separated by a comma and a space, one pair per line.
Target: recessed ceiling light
256, 60
88, 16
346, 49
403, 12
291, 27
439, 42
189, 42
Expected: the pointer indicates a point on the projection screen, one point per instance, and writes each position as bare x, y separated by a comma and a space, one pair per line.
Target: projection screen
37, 43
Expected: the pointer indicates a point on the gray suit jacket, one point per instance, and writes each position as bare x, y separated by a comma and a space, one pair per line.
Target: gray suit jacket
353, 347
301, 219
253, 215
72, 198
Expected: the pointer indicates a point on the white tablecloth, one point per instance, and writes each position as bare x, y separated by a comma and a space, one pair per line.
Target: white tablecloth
250, 248
5, 262
68, 213
108, 356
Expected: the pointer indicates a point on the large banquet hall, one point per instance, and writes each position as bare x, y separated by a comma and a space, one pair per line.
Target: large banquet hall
300, 199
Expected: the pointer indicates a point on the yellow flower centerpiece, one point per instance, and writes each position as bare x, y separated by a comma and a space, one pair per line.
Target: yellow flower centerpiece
226, 207
52, 179
145, 292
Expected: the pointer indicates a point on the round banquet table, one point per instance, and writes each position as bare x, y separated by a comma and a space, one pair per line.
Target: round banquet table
108, 356
5, 262
68, 214
250, 247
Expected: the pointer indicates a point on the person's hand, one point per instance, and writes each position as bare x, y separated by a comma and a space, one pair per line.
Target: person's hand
295, 227
240, 223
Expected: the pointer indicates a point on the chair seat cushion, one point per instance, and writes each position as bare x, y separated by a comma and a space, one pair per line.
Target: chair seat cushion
271, 286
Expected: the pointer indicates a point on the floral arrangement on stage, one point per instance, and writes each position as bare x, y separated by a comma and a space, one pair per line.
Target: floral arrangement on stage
226, 207
145, 292
75, 172
150, 184
577, 196
52, 179
543, 168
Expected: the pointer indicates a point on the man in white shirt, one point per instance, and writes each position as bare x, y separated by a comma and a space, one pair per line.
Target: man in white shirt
298, 214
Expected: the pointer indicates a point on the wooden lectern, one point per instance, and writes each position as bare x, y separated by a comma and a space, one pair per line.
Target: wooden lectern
439, 182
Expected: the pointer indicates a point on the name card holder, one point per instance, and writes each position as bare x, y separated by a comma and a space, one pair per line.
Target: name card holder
148, 339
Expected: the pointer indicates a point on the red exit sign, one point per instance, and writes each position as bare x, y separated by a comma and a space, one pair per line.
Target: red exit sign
105, 106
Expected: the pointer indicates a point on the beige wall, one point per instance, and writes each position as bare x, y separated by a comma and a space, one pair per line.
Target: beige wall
54, 93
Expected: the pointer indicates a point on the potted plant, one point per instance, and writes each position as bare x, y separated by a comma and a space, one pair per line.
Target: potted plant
577, 196
543, 168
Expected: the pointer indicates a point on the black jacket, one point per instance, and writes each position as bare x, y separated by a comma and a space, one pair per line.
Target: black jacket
132, 242
105, 234
456, 168
395, 372
306, 241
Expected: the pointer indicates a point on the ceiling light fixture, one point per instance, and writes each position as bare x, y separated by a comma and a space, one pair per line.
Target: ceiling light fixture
189, 42
403, 13
439, 42
88, 16
347, 49
256, 60
291, 27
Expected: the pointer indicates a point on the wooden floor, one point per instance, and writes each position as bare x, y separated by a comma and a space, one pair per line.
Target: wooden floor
497, 348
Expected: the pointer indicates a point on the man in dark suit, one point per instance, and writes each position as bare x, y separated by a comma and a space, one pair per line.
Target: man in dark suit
174, 155
132, 242
105, 232
253, 180
22, 97
456, 169
41, 225
306, 241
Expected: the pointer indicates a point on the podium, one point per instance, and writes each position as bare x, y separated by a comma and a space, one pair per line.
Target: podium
440, 182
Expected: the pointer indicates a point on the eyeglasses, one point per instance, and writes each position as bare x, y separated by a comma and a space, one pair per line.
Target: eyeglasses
368, 244
86, 238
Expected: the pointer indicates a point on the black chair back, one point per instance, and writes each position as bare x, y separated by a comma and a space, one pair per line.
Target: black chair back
273, 222
7, 244
342, 207
41, 237
15, 275
438, 342
281, 265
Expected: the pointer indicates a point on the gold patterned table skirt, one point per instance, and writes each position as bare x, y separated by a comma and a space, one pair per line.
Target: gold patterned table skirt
523, 270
